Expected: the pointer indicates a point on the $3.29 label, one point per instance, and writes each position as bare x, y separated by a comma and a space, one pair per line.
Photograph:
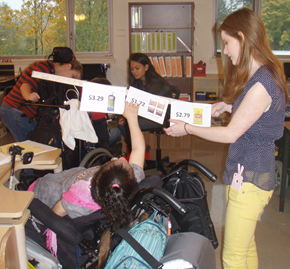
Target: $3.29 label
96, 98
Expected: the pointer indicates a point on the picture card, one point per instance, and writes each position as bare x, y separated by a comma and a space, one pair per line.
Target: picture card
151, 106
102, 98
198, 114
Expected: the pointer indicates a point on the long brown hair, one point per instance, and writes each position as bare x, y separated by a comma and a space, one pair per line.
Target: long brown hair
76, 65
255, 45
115, 201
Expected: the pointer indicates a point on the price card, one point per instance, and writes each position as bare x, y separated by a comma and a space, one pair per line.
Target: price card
151, 106
198, 114
102, 98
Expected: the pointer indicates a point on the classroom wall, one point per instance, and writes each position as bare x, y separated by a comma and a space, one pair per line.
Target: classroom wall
203, 44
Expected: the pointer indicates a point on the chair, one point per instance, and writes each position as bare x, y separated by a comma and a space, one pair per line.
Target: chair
161, 163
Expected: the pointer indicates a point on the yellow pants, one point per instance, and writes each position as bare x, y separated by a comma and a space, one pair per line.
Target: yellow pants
243, 210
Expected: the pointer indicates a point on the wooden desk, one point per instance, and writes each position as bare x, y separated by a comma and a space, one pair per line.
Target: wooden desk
14, 203
14, 212
285, 162
7, 78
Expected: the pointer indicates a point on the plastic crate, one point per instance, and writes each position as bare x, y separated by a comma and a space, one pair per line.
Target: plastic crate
199, 70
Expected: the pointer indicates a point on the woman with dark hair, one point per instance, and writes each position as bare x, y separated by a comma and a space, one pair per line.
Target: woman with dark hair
17, 118
143, 76
255, 93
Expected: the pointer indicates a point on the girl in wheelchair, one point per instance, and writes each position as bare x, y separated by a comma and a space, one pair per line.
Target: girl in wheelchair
79, 192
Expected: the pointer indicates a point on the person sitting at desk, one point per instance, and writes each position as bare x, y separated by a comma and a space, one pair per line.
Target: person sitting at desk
143, 76
16, 117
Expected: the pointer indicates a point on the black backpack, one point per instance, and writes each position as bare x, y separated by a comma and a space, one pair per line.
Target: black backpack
189, 189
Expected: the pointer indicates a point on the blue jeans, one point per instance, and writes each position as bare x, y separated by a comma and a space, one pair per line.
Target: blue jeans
19, 126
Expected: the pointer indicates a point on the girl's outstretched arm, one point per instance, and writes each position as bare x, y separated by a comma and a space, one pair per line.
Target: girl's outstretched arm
137, 139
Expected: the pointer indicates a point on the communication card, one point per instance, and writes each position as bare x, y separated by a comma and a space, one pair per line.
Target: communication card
198, 114
152, 107
103, 98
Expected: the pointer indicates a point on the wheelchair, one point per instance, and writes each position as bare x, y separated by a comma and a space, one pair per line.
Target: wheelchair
81, 236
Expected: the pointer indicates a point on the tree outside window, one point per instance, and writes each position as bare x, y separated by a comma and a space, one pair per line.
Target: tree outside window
274, 14
34, 27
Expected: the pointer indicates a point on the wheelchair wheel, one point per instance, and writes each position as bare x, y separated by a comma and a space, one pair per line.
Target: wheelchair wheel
97, 156
278, 177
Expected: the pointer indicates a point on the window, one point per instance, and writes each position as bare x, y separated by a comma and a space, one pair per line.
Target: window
274, 14
34, 27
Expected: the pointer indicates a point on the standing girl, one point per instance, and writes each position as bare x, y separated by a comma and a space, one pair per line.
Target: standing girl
255, 93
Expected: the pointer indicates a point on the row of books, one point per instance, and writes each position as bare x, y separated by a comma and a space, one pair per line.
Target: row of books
172, 66
154, 42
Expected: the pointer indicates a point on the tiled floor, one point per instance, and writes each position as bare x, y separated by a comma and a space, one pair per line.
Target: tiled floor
273, 233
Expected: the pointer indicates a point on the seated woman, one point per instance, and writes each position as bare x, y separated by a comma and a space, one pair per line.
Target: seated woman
79, 191
142, 75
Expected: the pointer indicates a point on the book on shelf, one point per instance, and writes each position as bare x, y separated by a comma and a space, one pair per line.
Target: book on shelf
143, 42
150, 58
174, 42
138, 41
156, 65
183, 43
133, 43
149, 42
162, 66
158, 42
169, 42
179, 66
174, 66
164, 42
188, 66
184, 97
136, 17
153, 42
168, 66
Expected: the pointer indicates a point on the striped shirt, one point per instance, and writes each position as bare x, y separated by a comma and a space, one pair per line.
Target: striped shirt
14, 97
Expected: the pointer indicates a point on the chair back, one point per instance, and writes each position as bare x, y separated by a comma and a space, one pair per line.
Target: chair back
175, 91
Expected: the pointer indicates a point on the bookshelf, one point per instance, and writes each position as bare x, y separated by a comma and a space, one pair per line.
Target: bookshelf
171, 21
207, 84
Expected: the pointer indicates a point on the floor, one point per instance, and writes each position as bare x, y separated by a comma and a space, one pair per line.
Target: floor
272, 234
